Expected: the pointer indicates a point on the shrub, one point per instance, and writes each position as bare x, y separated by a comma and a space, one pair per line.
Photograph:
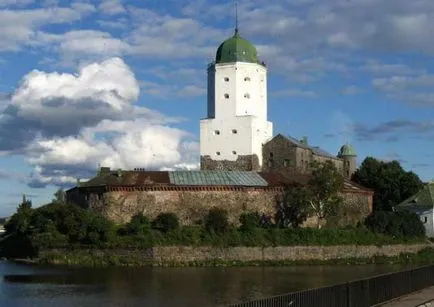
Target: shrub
397, 224
216, 221
166, 222
250, 221
139, 224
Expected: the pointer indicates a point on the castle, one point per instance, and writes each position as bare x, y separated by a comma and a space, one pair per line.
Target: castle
243, 167
236, 135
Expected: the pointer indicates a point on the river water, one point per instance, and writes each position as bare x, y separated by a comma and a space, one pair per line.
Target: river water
25, 285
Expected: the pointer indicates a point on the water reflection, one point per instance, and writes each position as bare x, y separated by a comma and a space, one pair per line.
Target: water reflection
23, 285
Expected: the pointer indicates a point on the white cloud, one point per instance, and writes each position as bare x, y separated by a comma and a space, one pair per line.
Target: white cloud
378, 68
68, 123
6, 3
20, 27
111, 82
134, 144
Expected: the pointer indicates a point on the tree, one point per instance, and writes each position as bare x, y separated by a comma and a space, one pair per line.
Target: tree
397, 224
292, 209
20, 221
324, 187
59, 196
390, 182
319, 197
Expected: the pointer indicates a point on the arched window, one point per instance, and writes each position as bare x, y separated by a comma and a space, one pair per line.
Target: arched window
226, 79
227, 96
247, 95
234, 152
247, 79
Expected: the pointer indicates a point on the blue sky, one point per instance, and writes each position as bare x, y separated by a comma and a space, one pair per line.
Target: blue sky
122, 83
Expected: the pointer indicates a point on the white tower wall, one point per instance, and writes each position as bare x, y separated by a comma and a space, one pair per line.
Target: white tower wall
237, 112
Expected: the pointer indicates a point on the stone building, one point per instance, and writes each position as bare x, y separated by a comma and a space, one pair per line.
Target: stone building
118, 195
243, 168
288, 155
236, 134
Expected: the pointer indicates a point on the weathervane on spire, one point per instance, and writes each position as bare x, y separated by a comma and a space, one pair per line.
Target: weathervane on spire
236, 16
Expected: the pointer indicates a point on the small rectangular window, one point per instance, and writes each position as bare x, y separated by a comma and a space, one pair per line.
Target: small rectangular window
218, 153
234, 131
286, 162
216, 132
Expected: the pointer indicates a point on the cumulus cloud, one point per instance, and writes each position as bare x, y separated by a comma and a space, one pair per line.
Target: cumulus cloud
60, 104
68, 123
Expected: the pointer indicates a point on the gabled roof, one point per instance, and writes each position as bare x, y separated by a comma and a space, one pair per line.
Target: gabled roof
422, 199
316, 150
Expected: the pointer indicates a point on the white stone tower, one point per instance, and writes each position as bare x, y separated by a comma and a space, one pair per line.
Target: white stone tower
232, 135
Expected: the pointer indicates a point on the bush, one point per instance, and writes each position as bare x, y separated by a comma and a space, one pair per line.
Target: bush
139, 224
397, 224
216, 221
250, 221
166, 222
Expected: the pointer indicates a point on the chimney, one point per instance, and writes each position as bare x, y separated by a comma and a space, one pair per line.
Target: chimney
304, 141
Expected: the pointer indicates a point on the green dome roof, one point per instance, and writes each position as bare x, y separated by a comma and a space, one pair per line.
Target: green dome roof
346, 151
236, 49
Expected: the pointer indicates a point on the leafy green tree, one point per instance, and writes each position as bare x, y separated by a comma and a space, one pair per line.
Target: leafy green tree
216, 221
397, 224
390, 182
320, 197
20, 221
59, 197
292, 210
166, 222
324, 187
139, 224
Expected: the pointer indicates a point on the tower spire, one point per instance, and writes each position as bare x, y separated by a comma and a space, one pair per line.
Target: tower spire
236, 16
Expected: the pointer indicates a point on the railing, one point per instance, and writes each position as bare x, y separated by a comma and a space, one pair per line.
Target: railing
360, 293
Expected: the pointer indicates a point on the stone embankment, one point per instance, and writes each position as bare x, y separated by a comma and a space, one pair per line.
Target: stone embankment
184, 255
